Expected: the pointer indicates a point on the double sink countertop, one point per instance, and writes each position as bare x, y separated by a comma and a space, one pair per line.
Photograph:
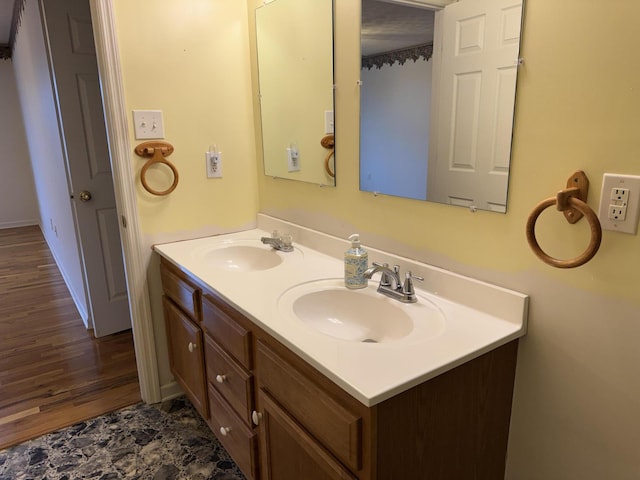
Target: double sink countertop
476, 317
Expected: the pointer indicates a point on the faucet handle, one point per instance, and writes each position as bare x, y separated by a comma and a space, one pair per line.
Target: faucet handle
407, 288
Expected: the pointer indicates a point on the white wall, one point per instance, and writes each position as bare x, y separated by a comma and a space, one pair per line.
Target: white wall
45, 149
18, 205
394, 149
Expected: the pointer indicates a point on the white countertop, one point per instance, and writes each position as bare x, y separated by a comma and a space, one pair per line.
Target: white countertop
371, 372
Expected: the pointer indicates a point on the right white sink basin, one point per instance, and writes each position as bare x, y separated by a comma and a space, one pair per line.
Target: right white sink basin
363, 315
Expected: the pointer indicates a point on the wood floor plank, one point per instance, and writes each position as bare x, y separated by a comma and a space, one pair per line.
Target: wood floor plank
53, 372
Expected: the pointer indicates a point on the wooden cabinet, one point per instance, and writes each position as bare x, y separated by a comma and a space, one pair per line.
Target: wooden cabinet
211, 356
289, 451
186, 347
452, 427
337, 427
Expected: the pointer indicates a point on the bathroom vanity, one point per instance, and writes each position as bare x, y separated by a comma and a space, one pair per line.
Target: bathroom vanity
291, 403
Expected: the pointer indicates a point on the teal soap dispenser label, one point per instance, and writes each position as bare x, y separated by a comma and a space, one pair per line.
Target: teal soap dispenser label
356, 261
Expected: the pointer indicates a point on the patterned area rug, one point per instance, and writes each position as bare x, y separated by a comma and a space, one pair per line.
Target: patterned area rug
168, 441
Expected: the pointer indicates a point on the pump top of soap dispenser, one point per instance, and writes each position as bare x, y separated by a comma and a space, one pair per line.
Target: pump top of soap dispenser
355, 241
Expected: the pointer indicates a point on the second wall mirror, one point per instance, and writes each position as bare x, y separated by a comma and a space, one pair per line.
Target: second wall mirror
437, 99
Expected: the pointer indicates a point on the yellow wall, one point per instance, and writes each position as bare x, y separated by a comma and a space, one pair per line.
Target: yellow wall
577, 394
190, 60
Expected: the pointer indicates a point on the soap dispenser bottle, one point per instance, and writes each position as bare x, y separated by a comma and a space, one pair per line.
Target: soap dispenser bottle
356, 261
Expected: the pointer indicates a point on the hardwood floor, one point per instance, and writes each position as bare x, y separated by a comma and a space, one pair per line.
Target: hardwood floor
53, 372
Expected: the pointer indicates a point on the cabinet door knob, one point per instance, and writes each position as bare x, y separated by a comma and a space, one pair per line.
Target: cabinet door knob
224, 431
256, 417
192, 346
221, 378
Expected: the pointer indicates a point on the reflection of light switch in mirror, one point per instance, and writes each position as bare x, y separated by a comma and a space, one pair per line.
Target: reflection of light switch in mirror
328, 121
214, 162
148, 124
293, 159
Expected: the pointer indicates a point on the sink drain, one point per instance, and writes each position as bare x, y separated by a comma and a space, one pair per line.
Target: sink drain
369, 340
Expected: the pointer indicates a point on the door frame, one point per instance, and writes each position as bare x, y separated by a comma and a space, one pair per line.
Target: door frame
102, 16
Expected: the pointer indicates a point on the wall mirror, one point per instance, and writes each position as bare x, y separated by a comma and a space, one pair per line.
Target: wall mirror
294, 41
437, 99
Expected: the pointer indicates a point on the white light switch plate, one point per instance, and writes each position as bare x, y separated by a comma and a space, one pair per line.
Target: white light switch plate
328, 122
620, 203
148, 124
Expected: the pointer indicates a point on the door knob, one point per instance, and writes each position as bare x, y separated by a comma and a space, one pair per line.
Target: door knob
85, 196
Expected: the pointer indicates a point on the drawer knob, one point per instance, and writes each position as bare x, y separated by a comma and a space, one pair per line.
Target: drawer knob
192, 346
256, 417
224, 431
221, 378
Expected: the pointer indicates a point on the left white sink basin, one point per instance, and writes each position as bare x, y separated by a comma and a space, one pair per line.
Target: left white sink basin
363, 315
241, 256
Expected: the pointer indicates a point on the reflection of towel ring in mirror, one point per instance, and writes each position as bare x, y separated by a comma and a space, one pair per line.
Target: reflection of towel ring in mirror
582, 207
328, 142
157, 151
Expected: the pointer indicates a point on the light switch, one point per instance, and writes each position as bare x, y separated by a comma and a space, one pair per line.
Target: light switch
620, 203
148, 124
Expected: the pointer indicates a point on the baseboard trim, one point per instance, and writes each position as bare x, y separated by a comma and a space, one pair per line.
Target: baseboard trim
170, 391
80, 305
19, 223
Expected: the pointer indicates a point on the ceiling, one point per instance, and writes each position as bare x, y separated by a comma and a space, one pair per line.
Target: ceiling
6, 12
385, 26
388, 26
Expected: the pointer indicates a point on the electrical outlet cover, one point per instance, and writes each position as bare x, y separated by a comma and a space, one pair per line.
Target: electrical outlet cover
612, 186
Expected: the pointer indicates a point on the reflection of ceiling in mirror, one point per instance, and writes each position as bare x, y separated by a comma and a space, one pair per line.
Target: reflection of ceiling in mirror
387, 26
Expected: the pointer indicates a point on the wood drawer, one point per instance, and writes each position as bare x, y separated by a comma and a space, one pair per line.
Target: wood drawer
239, 441
337, 428
236, 386
229, 334
182, 292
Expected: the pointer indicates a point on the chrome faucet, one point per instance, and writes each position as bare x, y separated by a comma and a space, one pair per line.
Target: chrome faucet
278, 242
391, 285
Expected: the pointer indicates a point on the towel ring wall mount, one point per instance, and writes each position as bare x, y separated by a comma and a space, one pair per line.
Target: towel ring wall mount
572, 203
156, 151
328, 142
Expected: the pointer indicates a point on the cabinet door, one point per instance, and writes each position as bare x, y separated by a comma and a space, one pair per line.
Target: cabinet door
287, 451
186, 355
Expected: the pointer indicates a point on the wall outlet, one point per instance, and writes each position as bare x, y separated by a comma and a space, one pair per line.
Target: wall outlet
214, 164
617, 213
620, 203
293, 159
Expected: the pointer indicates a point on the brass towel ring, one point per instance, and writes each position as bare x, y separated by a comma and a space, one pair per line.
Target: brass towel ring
566, 200
328, 142
157, 151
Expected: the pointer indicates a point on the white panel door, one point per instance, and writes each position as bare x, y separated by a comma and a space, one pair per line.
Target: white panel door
81, 118
475, 92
